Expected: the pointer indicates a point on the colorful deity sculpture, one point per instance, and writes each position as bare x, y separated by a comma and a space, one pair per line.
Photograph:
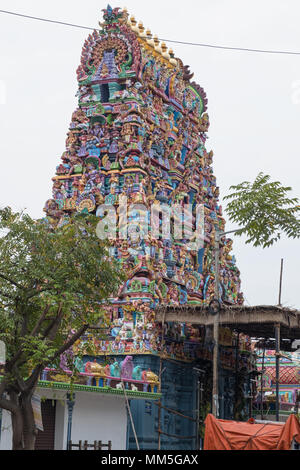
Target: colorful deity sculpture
139, 135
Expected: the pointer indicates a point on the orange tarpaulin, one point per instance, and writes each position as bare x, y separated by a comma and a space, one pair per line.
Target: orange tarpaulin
221, 434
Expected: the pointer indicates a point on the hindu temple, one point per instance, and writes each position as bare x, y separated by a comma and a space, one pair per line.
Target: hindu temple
139, 133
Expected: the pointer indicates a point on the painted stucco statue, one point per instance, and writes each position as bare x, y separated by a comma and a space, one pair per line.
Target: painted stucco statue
127, 368
66, 359
95, 369
149, 376
115, 370
137, 373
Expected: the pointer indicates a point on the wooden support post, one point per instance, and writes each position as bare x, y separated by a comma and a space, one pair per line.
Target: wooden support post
198, 415
160, 379
215, 390
277, 339
252, 381
280, 284
159, 421
261, 383
130, 415
237, 344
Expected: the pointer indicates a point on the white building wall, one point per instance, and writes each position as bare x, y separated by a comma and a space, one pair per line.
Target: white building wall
6, 431
99, 417
61, 425
96, 417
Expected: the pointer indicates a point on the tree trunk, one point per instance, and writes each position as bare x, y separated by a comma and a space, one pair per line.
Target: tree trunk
17, 429
17, 422
23, 425
29, 428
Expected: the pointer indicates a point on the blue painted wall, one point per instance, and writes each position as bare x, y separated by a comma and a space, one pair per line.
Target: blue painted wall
179, 393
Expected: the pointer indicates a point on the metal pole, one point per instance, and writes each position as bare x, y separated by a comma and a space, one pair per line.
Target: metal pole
261, 383
236, 372
201, 418
280, 283
277, 338
215, 391
160, 378
159, 420
251, 398
199, 373
198, 416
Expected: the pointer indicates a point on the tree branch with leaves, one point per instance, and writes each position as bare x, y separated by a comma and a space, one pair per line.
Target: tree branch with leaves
53, 287
264, 211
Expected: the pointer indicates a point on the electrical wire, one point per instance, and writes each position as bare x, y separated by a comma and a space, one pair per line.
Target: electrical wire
46, 20
242, 49
214, 46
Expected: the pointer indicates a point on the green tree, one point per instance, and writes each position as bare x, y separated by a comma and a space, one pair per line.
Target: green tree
53, 284
264, 211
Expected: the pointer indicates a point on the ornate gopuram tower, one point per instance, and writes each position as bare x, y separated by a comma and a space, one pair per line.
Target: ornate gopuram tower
139, 134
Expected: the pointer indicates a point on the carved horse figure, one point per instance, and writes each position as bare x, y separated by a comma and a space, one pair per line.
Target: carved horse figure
137, 373
115, 370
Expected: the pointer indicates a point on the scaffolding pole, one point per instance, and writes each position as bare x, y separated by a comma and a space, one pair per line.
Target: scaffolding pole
130, 416
215, 385
277, 338
261, 382
176, 412
160, 375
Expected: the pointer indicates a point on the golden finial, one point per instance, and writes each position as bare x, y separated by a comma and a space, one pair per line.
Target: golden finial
164, 50
173, 61
141, 29
156, 44
149, 38
133, 21
134, 24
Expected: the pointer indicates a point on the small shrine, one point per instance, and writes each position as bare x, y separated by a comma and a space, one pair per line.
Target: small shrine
289, 383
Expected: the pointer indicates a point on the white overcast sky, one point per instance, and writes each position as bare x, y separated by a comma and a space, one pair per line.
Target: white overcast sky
253, 99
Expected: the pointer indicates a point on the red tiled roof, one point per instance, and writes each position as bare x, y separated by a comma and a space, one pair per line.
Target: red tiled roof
288, 375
